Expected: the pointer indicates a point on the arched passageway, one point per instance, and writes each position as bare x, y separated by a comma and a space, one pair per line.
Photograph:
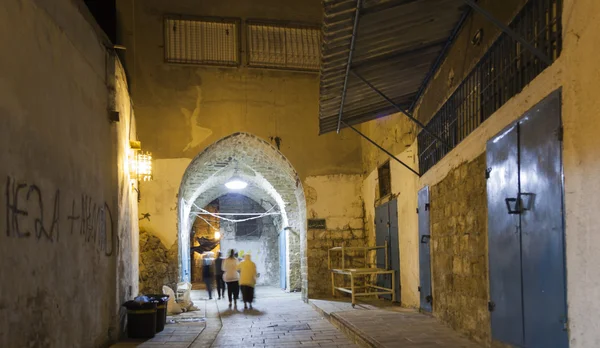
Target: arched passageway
273, 186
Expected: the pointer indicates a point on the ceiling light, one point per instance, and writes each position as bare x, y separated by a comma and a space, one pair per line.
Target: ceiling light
236, 183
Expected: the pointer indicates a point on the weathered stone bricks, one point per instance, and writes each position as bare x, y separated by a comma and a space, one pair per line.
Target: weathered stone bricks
459, 249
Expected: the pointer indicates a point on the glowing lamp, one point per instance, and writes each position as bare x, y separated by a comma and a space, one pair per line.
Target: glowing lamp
144, 166
236, 183
217, 235
140, 163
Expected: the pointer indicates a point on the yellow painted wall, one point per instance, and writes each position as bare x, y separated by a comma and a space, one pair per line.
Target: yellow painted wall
182, 109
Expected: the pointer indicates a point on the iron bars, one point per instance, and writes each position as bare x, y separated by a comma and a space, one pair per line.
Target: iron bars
504, 70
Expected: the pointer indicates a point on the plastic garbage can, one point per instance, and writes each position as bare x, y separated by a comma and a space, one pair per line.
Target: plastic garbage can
161, 301
141, 319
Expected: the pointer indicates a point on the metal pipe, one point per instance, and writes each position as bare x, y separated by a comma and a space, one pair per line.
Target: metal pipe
352, 41
240, 214
510, 32
439, 59
391, 102
381, 148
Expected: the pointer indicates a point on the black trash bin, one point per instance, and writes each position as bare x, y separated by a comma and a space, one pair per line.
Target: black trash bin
141, 319
161, 301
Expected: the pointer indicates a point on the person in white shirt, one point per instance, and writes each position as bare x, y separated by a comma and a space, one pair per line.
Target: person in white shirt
231, 277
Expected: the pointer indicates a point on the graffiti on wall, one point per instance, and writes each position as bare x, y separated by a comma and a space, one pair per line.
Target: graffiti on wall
27, 217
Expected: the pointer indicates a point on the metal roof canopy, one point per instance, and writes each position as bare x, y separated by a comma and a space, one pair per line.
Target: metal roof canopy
395, 45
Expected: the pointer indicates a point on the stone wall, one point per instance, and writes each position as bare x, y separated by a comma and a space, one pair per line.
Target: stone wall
338, 200
261, 244
319, 242
158, 265
459, 250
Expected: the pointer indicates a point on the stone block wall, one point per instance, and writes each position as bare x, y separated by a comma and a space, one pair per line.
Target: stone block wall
338, 200
459, 250
319, 242
158, 265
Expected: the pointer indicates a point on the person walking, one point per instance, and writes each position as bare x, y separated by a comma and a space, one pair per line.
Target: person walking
208, 272
219, 275
231, 277
247, 280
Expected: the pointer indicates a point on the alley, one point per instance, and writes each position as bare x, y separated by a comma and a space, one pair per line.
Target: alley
385, 173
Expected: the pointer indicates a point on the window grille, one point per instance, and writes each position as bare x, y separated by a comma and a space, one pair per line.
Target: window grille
384, 176
202, 41
284, 47
505, 69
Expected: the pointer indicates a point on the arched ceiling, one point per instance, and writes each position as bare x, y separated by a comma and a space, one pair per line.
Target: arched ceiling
269, 175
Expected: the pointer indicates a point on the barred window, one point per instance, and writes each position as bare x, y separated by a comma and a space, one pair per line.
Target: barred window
285, 47
384, 176
202, 41
504, 70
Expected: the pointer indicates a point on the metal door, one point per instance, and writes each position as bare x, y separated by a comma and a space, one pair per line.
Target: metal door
542, 231
504, 237
381, 236
394, 245
386, 229
424, 251
282, 260
526, 231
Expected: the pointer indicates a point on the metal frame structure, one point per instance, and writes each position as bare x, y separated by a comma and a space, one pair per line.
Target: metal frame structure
276, 24
349, 69
370, 289
208, 19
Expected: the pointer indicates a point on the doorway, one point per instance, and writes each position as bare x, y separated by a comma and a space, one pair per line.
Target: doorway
526, 230
386, 229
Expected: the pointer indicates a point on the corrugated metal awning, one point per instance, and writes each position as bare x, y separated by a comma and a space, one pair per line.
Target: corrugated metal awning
397, 44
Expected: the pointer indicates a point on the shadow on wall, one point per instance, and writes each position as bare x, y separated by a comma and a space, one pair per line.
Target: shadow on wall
158, 265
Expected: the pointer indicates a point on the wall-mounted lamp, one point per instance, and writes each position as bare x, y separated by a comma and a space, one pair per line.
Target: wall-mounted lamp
140, 163
217, 235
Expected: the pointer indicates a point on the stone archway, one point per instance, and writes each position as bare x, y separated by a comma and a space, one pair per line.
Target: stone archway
271, 178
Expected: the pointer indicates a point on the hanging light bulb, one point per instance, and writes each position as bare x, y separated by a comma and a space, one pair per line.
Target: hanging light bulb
235, 182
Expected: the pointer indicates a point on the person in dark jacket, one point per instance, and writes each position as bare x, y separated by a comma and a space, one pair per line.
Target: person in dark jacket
208, 272
219, 276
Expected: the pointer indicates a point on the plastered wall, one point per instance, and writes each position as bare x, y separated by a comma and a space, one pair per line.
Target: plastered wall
69, 239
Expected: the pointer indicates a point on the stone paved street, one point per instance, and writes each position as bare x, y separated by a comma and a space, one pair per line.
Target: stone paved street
278, 320
390, 326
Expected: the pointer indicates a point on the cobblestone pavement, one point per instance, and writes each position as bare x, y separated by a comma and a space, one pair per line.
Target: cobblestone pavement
277, 320
390, 326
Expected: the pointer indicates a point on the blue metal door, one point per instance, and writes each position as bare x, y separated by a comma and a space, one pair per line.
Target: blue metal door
526, 231
424, 250
386, 229
282, 260
394, 245
542, 231
381, 236
504, 238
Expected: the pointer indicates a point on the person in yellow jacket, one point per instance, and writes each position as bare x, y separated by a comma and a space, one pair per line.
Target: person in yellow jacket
247, 270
